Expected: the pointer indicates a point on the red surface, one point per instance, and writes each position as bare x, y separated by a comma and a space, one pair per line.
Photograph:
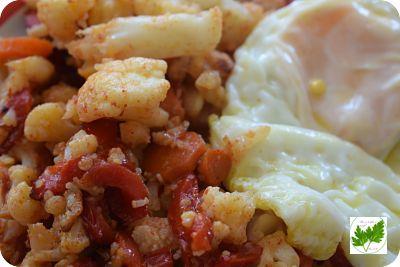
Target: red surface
10, 10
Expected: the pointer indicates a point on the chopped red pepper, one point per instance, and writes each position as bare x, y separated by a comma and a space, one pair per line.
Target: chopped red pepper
174, 162
240, 256
96, 225
128, 252
21, 103
186, 198
201, 233
105, 130
55, 177
129, 184
159, 258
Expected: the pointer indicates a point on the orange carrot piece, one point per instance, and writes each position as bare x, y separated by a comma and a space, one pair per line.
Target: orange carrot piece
174, 162
19, 47
214, 167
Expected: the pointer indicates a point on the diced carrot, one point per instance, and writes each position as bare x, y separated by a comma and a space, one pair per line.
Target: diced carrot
19, 47
214, 166
174, 162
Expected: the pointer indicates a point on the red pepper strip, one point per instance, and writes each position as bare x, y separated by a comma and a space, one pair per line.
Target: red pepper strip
242, 256
174, 162
105, 130
55, 177
201, 233
97, 227
107, 135
159, 258
186, 198
21, 102
129, 184
128, 251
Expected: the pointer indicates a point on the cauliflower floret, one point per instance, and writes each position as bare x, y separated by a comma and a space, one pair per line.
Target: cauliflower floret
105, 10
59, 93
26, 72
21, 173
21, 207
277, 252
45, 124
239, 21
75, 240
233, 209
131, 89
80, 144
134, 133
41, 238
153, 233
164, 36
157, 7
63, 17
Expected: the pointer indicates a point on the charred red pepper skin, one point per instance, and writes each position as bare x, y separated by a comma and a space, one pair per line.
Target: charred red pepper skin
97, 227
105, 130
186, 198
129, 251
22, 103
129, 184
159, 258
240, 256
55, 177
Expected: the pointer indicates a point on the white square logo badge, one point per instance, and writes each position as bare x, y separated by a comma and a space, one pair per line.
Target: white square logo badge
368, 235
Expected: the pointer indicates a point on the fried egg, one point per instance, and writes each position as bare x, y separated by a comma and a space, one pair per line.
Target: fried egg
312, 180
313, 108
329, 65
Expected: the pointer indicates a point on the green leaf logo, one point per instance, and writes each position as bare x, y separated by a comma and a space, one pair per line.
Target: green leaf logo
364, 238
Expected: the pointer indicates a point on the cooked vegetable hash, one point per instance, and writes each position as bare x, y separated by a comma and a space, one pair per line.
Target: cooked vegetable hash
104, 128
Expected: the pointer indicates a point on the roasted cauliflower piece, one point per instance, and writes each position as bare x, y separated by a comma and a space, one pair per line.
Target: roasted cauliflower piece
131, 89
63, 17
157, 7
165, 36
105, 10
45, 124
232, 209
